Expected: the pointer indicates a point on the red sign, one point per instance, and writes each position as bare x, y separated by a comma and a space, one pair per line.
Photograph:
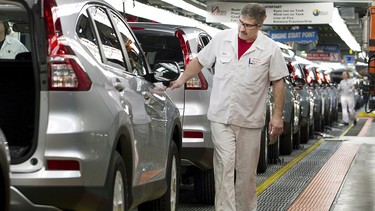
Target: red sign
321, 56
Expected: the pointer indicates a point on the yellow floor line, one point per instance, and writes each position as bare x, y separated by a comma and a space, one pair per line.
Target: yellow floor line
275, 176
364, 114
346, 131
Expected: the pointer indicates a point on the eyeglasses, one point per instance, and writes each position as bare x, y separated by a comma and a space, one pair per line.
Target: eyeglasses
247, 25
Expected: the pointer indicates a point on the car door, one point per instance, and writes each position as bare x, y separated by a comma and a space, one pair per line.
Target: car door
140, 98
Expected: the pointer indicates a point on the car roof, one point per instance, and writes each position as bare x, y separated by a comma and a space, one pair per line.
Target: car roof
163, 27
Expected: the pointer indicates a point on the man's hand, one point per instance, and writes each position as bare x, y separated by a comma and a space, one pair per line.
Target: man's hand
176, 84
275, 127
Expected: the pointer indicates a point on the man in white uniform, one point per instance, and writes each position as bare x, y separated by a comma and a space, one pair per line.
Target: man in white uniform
9, 46
245, 63
346, 89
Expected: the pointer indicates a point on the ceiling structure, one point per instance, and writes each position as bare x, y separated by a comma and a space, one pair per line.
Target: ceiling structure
352, 11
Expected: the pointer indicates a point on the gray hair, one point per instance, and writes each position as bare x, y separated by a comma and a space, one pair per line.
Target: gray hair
255, 11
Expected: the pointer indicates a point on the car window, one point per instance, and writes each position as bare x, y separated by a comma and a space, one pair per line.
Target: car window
107, 35
203, 41
160, 47
87, 35
136, 58
18, 41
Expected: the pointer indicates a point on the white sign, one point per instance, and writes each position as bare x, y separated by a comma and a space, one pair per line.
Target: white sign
277, 14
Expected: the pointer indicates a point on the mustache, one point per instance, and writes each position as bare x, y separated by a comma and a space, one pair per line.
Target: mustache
243, 32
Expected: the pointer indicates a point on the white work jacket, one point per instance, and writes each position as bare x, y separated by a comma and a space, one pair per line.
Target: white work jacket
240, 87
11, 47
346, 88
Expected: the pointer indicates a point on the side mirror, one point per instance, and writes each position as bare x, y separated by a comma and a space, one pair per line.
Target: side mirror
166, 71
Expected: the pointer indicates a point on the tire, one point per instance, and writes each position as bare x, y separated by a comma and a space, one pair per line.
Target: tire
304, 135
118, 185
327, 119
4, 176
274, 152
297, 138
318, 123
4, 183
263, 157
312, 129
169, 201
286, 141
204, 186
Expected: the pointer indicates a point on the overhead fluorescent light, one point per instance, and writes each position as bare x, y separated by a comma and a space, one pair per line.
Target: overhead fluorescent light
138, 9
339, 26
186, 6
191, 8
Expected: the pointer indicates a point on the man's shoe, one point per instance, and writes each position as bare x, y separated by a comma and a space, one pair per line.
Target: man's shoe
345, 123
354, 122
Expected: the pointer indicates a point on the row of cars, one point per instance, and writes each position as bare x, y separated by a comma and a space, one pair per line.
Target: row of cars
311, 103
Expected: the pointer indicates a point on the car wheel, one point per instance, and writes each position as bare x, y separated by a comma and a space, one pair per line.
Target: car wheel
263, 157
169, 201
311, 129
204, 186
4, 183
286, 140
318, 123
118, 184
4, 177
304, 136
274, 151
297, 138
327, 118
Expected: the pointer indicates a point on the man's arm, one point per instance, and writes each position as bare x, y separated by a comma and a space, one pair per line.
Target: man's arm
192, 69
276, 124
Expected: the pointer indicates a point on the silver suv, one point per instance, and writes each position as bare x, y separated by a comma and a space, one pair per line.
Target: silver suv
87, 125
180, 44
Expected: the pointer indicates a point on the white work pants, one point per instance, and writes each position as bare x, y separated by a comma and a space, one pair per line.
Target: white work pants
347, 103
236, 149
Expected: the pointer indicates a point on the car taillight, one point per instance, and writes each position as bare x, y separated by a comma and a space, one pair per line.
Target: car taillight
65, 73
308, 79
307, 74
292, 70
318, 77
184, 46
327, 79
198, 82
